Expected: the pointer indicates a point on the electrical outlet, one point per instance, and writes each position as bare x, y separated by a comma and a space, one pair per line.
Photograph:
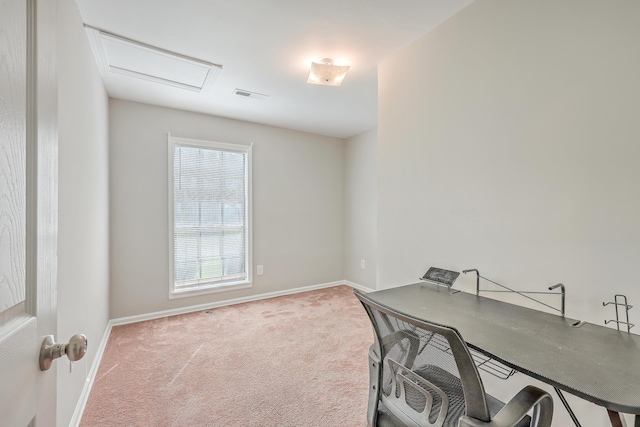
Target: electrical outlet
362, 265
260, 270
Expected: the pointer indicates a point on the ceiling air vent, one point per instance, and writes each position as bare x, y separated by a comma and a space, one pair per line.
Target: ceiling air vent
249, 94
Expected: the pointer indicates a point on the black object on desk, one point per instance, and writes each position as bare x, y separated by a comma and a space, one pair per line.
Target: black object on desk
595, 363
440, 276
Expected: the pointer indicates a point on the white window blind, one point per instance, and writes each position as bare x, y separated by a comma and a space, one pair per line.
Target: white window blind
210, 215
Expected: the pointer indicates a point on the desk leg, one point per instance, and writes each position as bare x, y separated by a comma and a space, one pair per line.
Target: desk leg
617, 420
567, 407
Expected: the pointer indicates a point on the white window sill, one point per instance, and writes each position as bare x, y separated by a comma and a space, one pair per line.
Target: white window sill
209, 289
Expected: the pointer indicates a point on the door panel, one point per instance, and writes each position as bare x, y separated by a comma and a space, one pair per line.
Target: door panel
13, 104
28, 209
17, 329
17, 389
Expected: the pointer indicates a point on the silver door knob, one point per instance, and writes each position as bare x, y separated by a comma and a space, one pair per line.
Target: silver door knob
75, 349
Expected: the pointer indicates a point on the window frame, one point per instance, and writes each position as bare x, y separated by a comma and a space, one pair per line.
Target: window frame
210, 287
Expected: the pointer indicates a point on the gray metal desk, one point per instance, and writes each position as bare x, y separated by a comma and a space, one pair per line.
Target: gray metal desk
596, 363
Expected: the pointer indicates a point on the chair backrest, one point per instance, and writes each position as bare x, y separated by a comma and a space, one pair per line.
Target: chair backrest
428, 377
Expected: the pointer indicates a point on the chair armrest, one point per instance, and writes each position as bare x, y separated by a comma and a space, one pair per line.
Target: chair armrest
528, 398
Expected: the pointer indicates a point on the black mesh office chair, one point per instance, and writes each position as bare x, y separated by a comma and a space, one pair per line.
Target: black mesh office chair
422, 374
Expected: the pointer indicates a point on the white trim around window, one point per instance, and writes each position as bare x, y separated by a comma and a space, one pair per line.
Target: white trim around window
210, 217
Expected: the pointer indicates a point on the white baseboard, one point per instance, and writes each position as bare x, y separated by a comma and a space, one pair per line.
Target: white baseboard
84, 396
192, 308
359, 287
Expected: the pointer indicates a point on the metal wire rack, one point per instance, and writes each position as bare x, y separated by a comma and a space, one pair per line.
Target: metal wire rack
483, 362
491, 366
620, 301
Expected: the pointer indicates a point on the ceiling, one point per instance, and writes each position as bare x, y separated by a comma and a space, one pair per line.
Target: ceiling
267, 46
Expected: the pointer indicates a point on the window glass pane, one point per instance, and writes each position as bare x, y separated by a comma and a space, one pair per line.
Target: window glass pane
233, 213
186, 270
233, 265
212, 267
210, 215
186, 255
185, 214
234, 247
186, 178
211, 244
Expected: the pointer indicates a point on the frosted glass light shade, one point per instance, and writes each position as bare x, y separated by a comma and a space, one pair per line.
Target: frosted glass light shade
326, 73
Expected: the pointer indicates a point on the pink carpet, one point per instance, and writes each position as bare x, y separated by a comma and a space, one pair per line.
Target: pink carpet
298, 360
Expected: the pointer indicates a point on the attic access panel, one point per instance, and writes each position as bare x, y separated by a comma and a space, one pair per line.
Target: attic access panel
120, 55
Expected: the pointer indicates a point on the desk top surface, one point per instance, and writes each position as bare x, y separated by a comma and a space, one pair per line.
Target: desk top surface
596, 363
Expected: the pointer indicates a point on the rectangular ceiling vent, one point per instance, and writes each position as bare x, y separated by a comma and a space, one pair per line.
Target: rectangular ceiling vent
249, 94
119, 55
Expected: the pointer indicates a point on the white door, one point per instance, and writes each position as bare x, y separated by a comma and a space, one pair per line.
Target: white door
28, 209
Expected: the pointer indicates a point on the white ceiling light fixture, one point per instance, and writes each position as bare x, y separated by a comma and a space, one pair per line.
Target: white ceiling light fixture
119, 55
326, 73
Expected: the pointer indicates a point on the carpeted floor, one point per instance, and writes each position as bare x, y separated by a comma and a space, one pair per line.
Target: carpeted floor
298, 360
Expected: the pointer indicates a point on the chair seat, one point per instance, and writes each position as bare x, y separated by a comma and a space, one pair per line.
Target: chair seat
452, 386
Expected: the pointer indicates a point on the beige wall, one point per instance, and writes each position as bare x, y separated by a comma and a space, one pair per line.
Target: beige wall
83, 263
360, 208
509, 143
297, 212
